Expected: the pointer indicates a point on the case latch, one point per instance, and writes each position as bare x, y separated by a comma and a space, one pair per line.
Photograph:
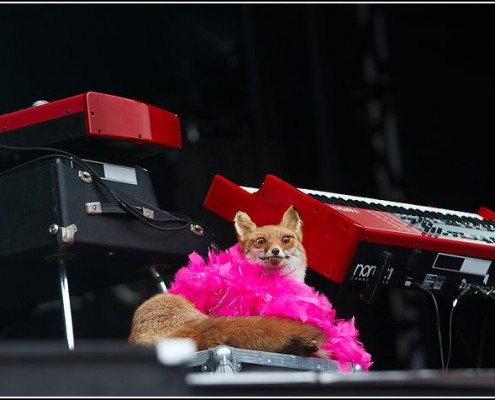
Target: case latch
65, 234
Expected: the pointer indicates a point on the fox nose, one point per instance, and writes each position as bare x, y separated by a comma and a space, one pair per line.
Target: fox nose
275, 251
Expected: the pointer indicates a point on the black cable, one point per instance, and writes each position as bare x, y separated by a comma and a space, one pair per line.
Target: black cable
483, 335
439, 330
451, 317
488, 294
57, 153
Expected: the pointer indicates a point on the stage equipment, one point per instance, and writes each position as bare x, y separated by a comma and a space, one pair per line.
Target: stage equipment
73, 215
371, 242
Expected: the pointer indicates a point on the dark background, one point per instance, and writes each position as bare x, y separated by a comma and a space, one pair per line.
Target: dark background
393, 101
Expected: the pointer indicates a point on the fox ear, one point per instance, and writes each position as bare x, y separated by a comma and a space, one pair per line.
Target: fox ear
243, 223
292, 220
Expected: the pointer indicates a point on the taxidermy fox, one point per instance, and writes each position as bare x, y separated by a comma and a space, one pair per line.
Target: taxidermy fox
276, 247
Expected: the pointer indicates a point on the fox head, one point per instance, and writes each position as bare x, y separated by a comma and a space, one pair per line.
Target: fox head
276, 247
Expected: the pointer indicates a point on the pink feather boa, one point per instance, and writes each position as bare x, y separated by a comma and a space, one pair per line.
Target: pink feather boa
228, 285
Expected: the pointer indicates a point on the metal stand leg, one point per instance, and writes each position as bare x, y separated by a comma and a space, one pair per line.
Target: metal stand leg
64, 292
158, 279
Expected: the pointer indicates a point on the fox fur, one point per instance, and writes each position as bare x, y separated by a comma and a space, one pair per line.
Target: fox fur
167, 315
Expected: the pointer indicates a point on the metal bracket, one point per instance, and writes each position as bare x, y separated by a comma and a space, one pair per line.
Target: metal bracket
85, 176
218, 360
197, 229
148, 213
93, 207
66, 234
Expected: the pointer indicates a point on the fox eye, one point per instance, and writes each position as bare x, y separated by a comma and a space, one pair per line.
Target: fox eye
286, 239
260, 241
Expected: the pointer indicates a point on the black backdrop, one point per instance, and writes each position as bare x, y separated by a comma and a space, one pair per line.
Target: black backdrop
383, 100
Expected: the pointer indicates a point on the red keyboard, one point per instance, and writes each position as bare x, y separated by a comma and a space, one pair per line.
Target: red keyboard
91, 120
364, 241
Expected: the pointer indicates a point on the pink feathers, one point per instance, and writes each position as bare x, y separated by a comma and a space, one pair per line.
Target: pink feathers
227, 285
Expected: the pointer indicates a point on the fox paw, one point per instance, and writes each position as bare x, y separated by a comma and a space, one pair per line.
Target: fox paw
301, 346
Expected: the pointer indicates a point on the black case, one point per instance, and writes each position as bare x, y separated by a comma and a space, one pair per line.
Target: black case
46, 214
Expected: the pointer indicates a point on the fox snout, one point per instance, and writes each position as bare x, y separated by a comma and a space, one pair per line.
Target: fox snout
274, 256
276, 252
273, 252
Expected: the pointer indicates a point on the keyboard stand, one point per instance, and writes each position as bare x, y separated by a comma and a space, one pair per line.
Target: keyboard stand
65, 298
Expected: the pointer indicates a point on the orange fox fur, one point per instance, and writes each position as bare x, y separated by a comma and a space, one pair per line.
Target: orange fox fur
276, 247
170, 315
167, 315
